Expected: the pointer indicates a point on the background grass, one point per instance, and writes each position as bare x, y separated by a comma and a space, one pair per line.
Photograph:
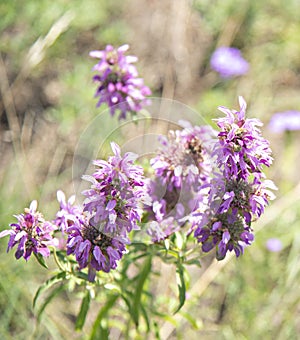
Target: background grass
47, 101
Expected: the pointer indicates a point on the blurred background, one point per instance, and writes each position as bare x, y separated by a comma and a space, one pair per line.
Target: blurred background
46, 100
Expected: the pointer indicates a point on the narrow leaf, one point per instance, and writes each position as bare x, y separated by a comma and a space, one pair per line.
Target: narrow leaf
40, 260
145, 315
139, 288
49, 283
85, 304
97, 327
54, 292
181, 285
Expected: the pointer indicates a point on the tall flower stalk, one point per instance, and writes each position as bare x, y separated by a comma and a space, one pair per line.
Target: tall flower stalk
239, 192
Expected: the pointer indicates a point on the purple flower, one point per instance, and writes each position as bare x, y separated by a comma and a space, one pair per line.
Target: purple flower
274, 245
163, 229
225, 232
182, 166
93, 249
183, 157
228, 62
118, 83
31, 233
241, 151
117, 191
67, 212
238, 192
283, 121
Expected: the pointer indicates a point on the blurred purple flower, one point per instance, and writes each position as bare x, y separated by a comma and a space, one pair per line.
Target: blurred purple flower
32, 233
183, 157
118, 83
274, 245
228, 62
182, 166
283, 121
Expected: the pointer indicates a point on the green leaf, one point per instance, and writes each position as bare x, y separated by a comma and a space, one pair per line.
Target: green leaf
181, 285
98, 331
194, 261
81, 275
139, 288
54, 292
40, 260
49, 283
195, 323
85, 304
145, 315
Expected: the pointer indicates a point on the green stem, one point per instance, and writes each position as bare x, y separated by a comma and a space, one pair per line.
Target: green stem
59, 265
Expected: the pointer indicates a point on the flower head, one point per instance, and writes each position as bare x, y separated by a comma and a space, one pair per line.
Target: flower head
228, 62
241, 149
238, 192
93, 249
226, 232
183, 157
67, 212
182, 166
118, 83
31, 233
113, 201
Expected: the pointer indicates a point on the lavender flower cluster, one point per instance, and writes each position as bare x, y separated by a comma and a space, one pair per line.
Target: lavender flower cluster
118, 83
97, 233
211, 181
239, 191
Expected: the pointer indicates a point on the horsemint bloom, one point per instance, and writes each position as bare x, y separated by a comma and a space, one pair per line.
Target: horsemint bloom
228, 62
181, 167
67, 212
183, 157
93, 248
118, 83
238, 193
111, 210
31, 233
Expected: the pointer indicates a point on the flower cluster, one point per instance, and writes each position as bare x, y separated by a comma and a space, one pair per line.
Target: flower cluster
238, 193
182, 167
220, 202
111, 210
118, 83
228, 62
31, 233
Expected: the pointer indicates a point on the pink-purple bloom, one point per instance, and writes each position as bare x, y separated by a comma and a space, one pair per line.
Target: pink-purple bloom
183, 157
112, 208
117, 191
182, 166
31, 234
118, 83
93, 248
285, 121
229, 62
239, 192
67, 212
241, 150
